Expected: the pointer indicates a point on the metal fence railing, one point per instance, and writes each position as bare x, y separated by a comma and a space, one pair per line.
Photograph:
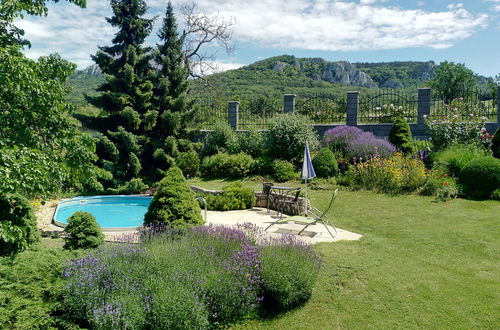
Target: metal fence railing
256, 113
209, 112
465, 105
323, 108
384, 106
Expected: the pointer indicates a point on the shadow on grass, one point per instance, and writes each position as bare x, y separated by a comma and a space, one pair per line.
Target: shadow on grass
271, 309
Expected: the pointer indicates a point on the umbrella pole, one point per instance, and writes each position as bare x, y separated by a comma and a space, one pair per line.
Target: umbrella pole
307, 201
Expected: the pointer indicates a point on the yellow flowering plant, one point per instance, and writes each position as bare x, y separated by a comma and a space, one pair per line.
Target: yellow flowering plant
396, 174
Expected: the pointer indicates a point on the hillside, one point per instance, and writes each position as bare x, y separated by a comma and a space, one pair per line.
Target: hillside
275, 76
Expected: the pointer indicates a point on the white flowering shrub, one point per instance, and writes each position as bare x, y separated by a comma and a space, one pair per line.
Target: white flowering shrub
460, 123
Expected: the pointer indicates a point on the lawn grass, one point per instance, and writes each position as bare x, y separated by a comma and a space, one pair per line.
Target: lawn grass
420, 264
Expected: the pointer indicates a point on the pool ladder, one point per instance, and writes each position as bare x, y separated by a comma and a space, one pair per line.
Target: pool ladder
205, 203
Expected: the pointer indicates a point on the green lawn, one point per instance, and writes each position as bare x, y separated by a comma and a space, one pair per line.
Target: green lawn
420, 264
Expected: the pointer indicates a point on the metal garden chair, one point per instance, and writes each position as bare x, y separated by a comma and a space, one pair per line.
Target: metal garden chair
312, 217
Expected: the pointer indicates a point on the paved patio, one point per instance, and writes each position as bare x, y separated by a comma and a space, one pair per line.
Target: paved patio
258, 216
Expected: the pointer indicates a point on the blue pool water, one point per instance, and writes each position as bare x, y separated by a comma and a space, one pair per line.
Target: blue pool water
110, 211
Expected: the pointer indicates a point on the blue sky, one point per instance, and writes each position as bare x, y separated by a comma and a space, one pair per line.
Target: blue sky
466, 31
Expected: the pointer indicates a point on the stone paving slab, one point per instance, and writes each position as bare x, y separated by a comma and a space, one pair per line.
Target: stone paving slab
258, 216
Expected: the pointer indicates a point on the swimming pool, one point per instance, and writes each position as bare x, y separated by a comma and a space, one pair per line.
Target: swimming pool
111, 212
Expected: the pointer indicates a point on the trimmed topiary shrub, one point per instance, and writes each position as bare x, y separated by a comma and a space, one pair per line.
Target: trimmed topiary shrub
287, 136
400, 135
225, 165
174, 203
325, 164
283, 171
84, 232
17, 224
495, 144
480, 177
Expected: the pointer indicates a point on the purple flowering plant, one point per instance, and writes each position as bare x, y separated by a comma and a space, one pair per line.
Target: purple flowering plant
218, 270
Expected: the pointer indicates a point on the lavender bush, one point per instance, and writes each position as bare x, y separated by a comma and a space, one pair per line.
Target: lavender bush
338, 138
366, 146
205, 277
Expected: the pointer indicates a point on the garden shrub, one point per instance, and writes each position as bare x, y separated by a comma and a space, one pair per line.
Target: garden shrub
174, 202
400, 135
289, 271
84, 232
283, 171
396, 174
262, 165
460, 125
226, 165
325, 164
177, 307
17, 224
221, 139
31, 287
233, 197
189, 163
338, 138
209, 277
134, 186
366, 146
496, 194
251, 142
480, 177
456, 156
495, 144
440, 185
287, 136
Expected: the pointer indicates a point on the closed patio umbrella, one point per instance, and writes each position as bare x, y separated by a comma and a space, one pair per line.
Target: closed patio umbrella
307, 169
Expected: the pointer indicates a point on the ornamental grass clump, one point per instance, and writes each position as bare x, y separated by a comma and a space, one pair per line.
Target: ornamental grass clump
208, 277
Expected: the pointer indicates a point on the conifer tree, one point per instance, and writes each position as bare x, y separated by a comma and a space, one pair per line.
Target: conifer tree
127, 93
170, 96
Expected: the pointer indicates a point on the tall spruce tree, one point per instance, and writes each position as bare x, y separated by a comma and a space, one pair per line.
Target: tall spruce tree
127, 94
170, 95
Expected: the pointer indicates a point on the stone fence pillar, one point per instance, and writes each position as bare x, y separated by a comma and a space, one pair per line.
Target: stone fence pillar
233, 108
352, 108
424, 104
289, 103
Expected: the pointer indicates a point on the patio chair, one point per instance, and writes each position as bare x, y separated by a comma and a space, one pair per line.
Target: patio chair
313, 216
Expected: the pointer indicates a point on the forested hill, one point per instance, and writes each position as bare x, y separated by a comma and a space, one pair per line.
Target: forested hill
284, 74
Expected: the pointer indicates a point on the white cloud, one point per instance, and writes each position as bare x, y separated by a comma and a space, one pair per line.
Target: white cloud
329, 25
496, 5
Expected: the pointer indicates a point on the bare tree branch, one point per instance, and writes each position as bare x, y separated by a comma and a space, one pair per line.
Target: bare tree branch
203, 36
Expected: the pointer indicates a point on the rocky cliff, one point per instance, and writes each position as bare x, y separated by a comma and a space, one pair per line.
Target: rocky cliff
343, 73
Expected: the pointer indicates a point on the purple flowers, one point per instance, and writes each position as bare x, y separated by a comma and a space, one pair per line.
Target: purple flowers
366, 145
340, 137
216, 271
355, 143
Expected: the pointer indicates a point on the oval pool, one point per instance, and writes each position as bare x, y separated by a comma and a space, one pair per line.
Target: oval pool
111, 212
